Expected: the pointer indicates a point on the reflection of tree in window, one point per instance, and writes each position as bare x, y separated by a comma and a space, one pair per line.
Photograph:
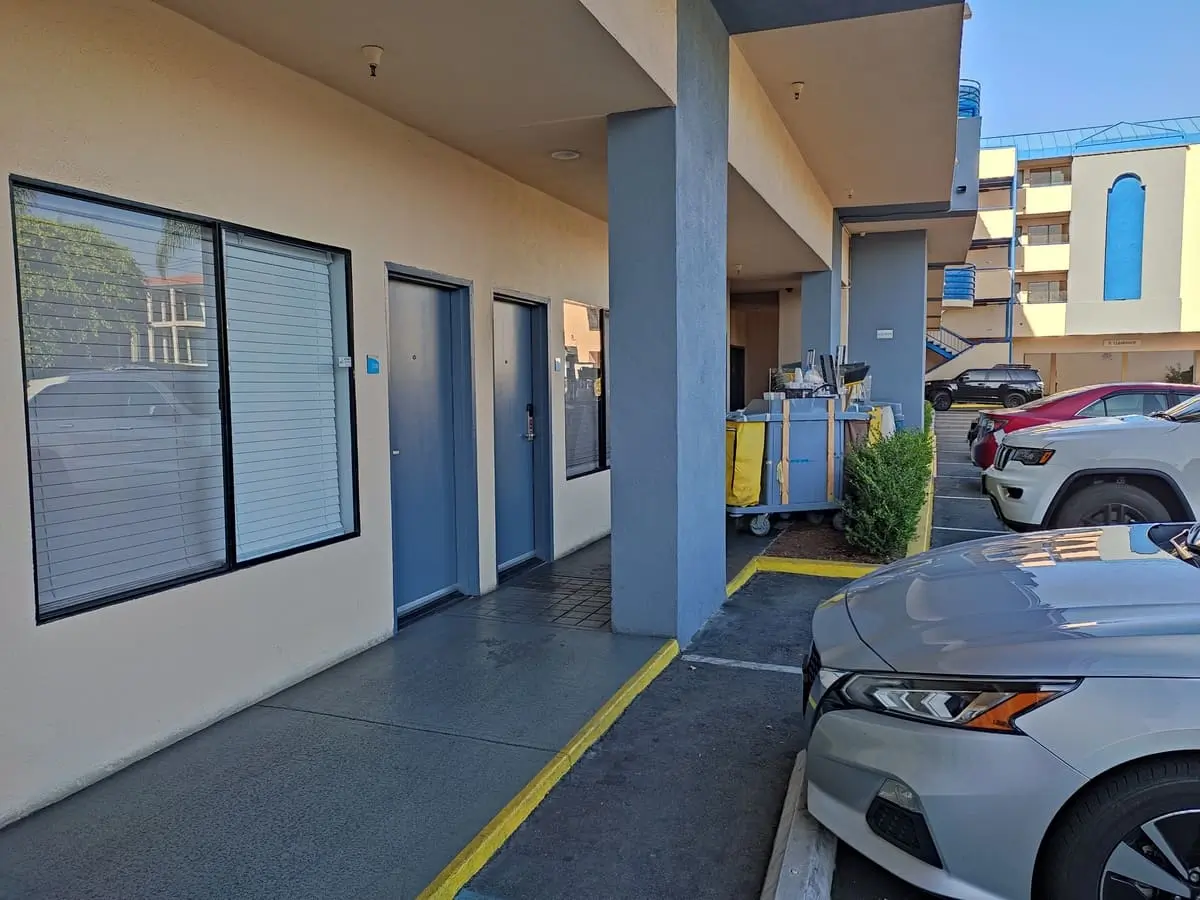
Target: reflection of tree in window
80, 290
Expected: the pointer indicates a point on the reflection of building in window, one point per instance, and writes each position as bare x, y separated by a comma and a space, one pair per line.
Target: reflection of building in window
586, 426
176, 319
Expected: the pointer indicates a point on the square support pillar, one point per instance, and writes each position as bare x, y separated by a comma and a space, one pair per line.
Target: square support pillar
821, 303
887, 317
667, 224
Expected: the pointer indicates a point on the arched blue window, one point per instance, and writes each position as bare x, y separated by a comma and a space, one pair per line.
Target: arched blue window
1124, 233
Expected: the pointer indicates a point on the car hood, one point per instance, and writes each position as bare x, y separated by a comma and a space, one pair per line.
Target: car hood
1084, 429
1101, 601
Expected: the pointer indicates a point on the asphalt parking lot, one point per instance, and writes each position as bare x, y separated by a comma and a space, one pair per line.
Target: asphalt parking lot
960, 513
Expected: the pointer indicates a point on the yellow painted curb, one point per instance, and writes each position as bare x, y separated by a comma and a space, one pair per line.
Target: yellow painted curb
821, 568
472, 858
740, 579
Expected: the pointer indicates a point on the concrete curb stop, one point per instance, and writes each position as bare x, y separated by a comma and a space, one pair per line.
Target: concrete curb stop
804, 853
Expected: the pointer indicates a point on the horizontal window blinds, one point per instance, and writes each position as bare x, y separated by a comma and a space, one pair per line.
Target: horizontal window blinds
126, 457
290, 464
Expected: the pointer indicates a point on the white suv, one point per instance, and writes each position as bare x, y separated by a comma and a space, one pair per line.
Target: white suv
1099, 471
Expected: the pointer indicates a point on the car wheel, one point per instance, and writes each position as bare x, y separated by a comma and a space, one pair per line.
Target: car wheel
1013, 400
1110, 503
1134, 834
941, 401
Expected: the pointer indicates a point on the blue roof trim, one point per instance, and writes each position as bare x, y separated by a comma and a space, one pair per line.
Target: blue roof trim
1100, 138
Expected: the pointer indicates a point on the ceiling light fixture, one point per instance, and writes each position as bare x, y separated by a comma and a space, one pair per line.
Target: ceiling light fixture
797, 89
372, 53
565, 155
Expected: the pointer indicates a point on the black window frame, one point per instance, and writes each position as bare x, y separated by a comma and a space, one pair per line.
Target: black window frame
602, 454
1064, 171
219, 228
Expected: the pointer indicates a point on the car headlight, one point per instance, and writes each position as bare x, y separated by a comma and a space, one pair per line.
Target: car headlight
1030, 456
965, 703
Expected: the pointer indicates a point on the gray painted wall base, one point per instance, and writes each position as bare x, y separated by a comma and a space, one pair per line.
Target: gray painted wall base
804, 855
887, 317
821, 303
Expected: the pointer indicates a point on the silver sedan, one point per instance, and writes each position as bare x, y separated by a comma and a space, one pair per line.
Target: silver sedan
1017, 717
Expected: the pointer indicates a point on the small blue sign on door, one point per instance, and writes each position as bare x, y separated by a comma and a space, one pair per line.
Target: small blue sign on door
372, 365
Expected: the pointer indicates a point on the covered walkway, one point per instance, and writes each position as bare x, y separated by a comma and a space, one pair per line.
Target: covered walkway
361, 782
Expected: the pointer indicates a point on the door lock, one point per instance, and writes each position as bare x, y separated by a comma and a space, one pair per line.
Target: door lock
530, 435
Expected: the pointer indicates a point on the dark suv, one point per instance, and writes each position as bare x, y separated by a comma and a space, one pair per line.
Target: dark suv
1004, 384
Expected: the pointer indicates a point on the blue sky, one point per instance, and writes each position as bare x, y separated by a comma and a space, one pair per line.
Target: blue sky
1048, 64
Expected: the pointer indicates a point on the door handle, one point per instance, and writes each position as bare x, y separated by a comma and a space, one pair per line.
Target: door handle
530, 435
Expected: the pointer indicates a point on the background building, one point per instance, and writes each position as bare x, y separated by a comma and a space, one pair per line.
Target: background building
1084, 258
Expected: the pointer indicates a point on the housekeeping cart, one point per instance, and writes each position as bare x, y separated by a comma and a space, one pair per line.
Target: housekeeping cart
785, 456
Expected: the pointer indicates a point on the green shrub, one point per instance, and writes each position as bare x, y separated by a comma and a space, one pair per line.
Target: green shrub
928, 416
1179, 375
884, 492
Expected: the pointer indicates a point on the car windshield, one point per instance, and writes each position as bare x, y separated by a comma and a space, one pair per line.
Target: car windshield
1187, 411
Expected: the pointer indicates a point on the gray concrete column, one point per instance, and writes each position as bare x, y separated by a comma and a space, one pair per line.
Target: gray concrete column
821, 302
667, 223
887, 317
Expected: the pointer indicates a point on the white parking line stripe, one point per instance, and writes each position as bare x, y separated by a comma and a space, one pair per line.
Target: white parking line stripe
742, 664
968, 530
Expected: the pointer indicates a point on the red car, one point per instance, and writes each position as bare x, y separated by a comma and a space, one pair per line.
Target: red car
1126, 399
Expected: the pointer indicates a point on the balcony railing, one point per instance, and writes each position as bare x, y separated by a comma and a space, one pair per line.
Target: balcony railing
944, 339
958, 283
968, 99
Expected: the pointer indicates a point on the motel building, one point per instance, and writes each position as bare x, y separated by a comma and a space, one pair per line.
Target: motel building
317, 313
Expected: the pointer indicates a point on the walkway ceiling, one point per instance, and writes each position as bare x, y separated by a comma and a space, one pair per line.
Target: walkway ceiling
500, 90
948, 238
877, 117
766, 248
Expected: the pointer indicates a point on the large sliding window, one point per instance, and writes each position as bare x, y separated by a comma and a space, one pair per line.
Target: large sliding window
585, 341
189, 396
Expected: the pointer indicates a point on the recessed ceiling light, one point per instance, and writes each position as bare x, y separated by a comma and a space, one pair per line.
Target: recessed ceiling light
565, 155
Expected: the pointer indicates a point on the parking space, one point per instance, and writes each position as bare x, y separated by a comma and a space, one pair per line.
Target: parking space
961, 511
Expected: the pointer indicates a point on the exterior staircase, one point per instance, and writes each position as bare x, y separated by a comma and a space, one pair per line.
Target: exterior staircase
946, 343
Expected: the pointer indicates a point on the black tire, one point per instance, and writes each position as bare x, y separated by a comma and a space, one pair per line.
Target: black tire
1078, 847
941, 400
1013, 399
1109, 503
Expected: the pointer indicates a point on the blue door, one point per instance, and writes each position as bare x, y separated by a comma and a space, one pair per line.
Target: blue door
421, 412
515, 434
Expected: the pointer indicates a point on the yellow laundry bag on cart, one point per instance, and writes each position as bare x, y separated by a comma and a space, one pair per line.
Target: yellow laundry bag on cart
744, 444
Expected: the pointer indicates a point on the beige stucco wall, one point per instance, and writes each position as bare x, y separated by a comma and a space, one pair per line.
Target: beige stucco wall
997, 162
763, 152
1162, 171
994, 224
762, 349
1189, 281
791, 344
125, 98
977, 322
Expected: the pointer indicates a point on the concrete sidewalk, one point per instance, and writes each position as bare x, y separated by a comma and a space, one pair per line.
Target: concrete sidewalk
682, 797
361, 782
